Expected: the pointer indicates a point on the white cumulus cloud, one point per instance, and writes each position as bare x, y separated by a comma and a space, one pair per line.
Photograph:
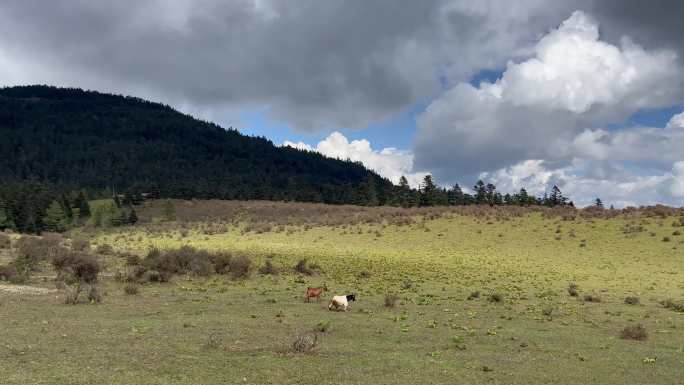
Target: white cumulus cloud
621, 189
389, 162
541, 107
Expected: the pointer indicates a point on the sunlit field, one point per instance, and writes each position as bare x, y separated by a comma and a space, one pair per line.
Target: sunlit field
471, 295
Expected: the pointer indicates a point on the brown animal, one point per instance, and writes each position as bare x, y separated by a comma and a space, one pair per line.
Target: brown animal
315, 292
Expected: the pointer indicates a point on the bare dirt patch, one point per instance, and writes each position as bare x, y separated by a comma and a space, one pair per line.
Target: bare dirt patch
22, 289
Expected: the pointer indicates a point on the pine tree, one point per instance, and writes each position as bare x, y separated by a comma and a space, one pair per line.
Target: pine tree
456, 197
66, 207
556, 198
428, 191
404, 193
598, 203
523, 198
81, 203
55, 218
497, 199
480, 192
490, 194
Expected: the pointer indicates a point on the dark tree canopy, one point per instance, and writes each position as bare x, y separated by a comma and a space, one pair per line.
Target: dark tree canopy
100, 142
62, 147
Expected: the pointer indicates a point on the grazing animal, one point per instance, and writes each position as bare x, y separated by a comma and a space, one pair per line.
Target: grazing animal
341, 302
315, 292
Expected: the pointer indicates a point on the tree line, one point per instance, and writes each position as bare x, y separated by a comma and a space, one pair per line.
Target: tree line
34, 207
429, 194
64, 147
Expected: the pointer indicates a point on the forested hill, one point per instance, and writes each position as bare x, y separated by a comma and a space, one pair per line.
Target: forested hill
98, 142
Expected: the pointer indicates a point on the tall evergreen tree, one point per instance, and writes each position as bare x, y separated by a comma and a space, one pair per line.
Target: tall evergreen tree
480, 192
55, 218
428, 191
66, 206
404, 193
598, 203
523, 198
83, 206
455, 195
556, 198
490, 194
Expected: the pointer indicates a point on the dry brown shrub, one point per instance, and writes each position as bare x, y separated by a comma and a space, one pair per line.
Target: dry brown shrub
5, 241
636, 332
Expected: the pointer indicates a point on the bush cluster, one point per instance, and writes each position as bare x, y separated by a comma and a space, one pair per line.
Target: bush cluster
160, 266
636, 332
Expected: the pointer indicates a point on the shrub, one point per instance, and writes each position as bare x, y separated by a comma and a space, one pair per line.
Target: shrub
636, 332
474, 295
670, 304
7, 272
133, 260
94, 295
364, 274
72, 294
33, 250
268, 268
591, 298
214, 341
221, 262
303, 268
391, 300
156, 276
201, 265
304, 343
676, 233
5, 241
240, 267
572, 289
131, 288
495, 297
10, 274
632, 300
80, 244
666, 239
104, 249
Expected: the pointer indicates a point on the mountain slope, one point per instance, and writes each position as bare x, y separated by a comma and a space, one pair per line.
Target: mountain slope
99, 142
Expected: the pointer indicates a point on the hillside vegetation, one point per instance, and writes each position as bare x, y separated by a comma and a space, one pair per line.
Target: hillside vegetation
100, 142
471, 294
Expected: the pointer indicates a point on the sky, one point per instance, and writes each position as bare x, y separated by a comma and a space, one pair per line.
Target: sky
584, 94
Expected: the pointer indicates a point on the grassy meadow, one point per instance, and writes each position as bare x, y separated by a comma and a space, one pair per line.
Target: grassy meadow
471, 295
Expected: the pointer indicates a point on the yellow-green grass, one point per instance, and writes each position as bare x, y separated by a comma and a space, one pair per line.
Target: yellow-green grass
537, 334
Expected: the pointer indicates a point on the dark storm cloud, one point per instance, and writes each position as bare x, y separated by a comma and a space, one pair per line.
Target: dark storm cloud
656, 24
313, 64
